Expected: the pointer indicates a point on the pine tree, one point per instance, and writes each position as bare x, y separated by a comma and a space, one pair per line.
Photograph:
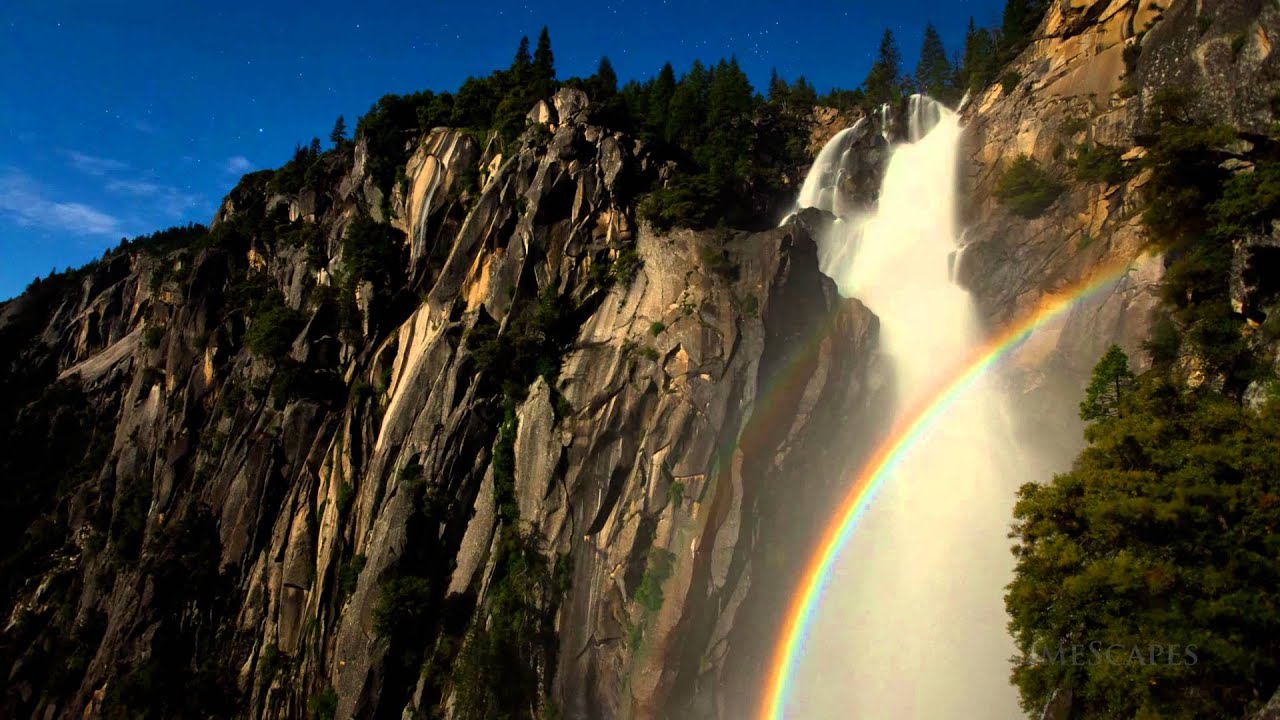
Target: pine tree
883, 83
778, 90
522, 64
1163, 532
803, 96
1017, 25
664, 86
979, 58
933, 72
730, 99
688, 109
314, 150
523, 59
1112, 381
339, 133
544, 61
605, 81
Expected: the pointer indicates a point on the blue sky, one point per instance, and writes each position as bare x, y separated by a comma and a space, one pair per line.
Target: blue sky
116, 121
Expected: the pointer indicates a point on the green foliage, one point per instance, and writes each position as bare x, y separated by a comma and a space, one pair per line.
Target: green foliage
163, 242
152, 336
1185, 177
1173, 104
184, 673
1249, 201
372, 251
1100, 163
1112, 381
1009, 81
293, 176
658, 569
349, 576
1026, 188
934, 75
980, 65
338, 135
656, 327
685, 201
497, 672
1131, 53
403, 606
1165, 532
174, 269
716, 261
129, 517
883, 84
1073, 126
271, 332
625, 265
1237, 45
1018, 24
324, 704
504, 469
535, 340
270, 664
1197, 211
675, 493
1165, 341
346, 498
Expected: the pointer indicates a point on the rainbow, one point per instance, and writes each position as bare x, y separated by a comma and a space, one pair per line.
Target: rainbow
905, 433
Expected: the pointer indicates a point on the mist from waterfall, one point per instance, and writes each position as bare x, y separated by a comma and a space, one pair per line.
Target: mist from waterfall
912, 624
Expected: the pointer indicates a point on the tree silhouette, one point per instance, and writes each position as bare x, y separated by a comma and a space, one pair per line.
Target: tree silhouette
883, 80
933, 72
338, 135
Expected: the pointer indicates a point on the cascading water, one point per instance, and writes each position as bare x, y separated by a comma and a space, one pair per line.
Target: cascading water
912, 624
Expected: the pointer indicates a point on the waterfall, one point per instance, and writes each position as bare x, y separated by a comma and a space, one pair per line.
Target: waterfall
821, 180
912, 624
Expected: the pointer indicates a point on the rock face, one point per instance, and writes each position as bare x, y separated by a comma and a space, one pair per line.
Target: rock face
231, 521
1091, 78
543, 457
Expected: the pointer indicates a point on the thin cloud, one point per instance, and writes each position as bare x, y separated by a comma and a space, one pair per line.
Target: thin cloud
144, 126
94, 165
153, 199
26, 203
238, 165
166, 199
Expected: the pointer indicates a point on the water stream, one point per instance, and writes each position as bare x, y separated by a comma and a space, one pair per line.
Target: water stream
912, 624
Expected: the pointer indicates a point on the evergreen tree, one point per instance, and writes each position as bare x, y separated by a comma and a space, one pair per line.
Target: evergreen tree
339, 133
778, 90
605, 82
1017, 25
726, 153
803, 96
1112, 381
933, 72
523, 61
1155, 559
521, 72
687, 114
883, 83
314, 150
979, 58
544, 61
660, 92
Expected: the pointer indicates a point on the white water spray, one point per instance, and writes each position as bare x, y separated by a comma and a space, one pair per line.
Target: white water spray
913, 624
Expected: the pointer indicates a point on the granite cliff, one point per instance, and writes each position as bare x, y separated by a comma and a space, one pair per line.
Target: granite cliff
482, 439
